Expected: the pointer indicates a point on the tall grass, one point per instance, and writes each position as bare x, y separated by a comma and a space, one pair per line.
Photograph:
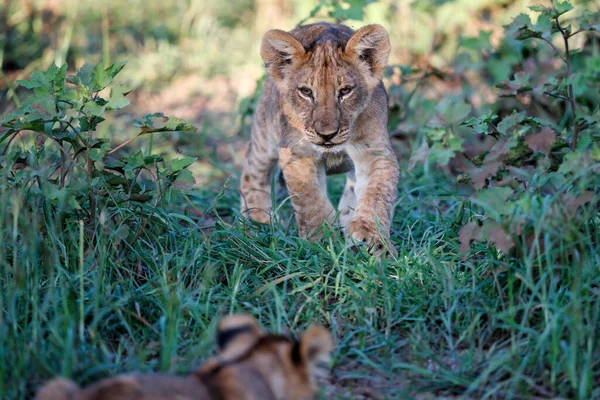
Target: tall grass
86, 304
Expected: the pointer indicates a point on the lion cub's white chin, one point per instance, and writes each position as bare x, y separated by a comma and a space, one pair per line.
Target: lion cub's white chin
337, 148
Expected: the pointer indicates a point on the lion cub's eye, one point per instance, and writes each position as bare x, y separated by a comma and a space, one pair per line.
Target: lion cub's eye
345, 90
305, 91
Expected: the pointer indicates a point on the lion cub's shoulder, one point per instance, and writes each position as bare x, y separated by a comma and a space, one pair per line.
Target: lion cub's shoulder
251, 364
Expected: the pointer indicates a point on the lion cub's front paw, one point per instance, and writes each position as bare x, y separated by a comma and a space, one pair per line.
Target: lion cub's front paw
259, 215
363, 231
256, 205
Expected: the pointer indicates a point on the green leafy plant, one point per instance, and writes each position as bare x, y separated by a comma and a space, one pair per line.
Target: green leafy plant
536, 157
71, 171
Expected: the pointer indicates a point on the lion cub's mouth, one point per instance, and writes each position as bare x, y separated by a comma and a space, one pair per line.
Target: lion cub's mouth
330, 145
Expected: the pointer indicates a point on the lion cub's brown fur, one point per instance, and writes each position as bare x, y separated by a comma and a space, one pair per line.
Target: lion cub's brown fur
250, 365
323, 111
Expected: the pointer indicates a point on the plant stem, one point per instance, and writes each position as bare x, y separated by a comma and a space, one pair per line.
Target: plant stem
106, 37
570, 93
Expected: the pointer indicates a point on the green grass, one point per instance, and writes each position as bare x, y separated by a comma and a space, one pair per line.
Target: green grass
86, 304
88, 301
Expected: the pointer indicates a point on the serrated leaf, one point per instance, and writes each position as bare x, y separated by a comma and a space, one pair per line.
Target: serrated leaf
84, 74
93, 108
349, 9
84, 124
440, 155
158, 122
152, 159
134, 161
101, 77
185, 179
480, 175
541, 141
494, 233
28, 84
97, 154
467, 234
74, 79
449, 111
182, 163
494, 199
117, 98
519, 84
563, 7
477, 125
481, 124
479, 44
540, 8
507, 125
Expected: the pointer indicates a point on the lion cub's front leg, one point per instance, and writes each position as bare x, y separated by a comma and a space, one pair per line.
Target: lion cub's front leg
377, 175
255, 184
305, 180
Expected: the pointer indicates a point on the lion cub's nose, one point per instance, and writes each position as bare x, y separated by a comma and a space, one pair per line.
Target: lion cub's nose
327, 136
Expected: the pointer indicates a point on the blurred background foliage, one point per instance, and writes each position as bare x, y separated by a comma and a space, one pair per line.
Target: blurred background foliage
198, 58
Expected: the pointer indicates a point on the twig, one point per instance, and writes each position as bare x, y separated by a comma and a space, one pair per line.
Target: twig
554, 48
558, 96
576, 32
570, 92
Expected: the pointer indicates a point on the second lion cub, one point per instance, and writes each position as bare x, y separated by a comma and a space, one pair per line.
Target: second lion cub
324, 110
251, 365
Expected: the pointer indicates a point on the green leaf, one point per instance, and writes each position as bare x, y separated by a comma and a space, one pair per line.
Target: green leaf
93, 108
84, 123
449, 111
178, 165
185, 179
563, 7
84, 74
152, 159
481, 124
117, 98
541, 9
479, 44
519, 84
494, 199
349, 9
440, 155
521, 28
134, 161
101, 78
6, 135
158, 122
97, 154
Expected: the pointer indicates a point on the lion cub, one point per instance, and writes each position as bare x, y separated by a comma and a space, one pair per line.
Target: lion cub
323, 111
250, 365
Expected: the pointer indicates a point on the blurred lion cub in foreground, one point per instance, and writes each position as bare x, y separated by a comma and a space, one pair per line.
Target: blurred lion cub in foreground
251, 364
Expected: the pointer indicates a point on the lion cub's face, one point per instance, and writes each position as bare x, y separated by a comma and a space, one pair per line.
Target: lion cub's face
268, 366
325, 87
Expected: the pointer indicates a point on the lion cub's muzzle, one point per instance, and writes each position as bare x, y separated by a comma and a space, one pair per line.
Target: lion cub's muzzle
330, 139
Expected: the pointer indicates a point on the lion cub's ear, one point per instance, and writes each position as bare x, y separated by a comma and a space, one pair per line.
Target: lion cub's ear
57, 389
314, 350
236, 334
278, 50
370, 46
